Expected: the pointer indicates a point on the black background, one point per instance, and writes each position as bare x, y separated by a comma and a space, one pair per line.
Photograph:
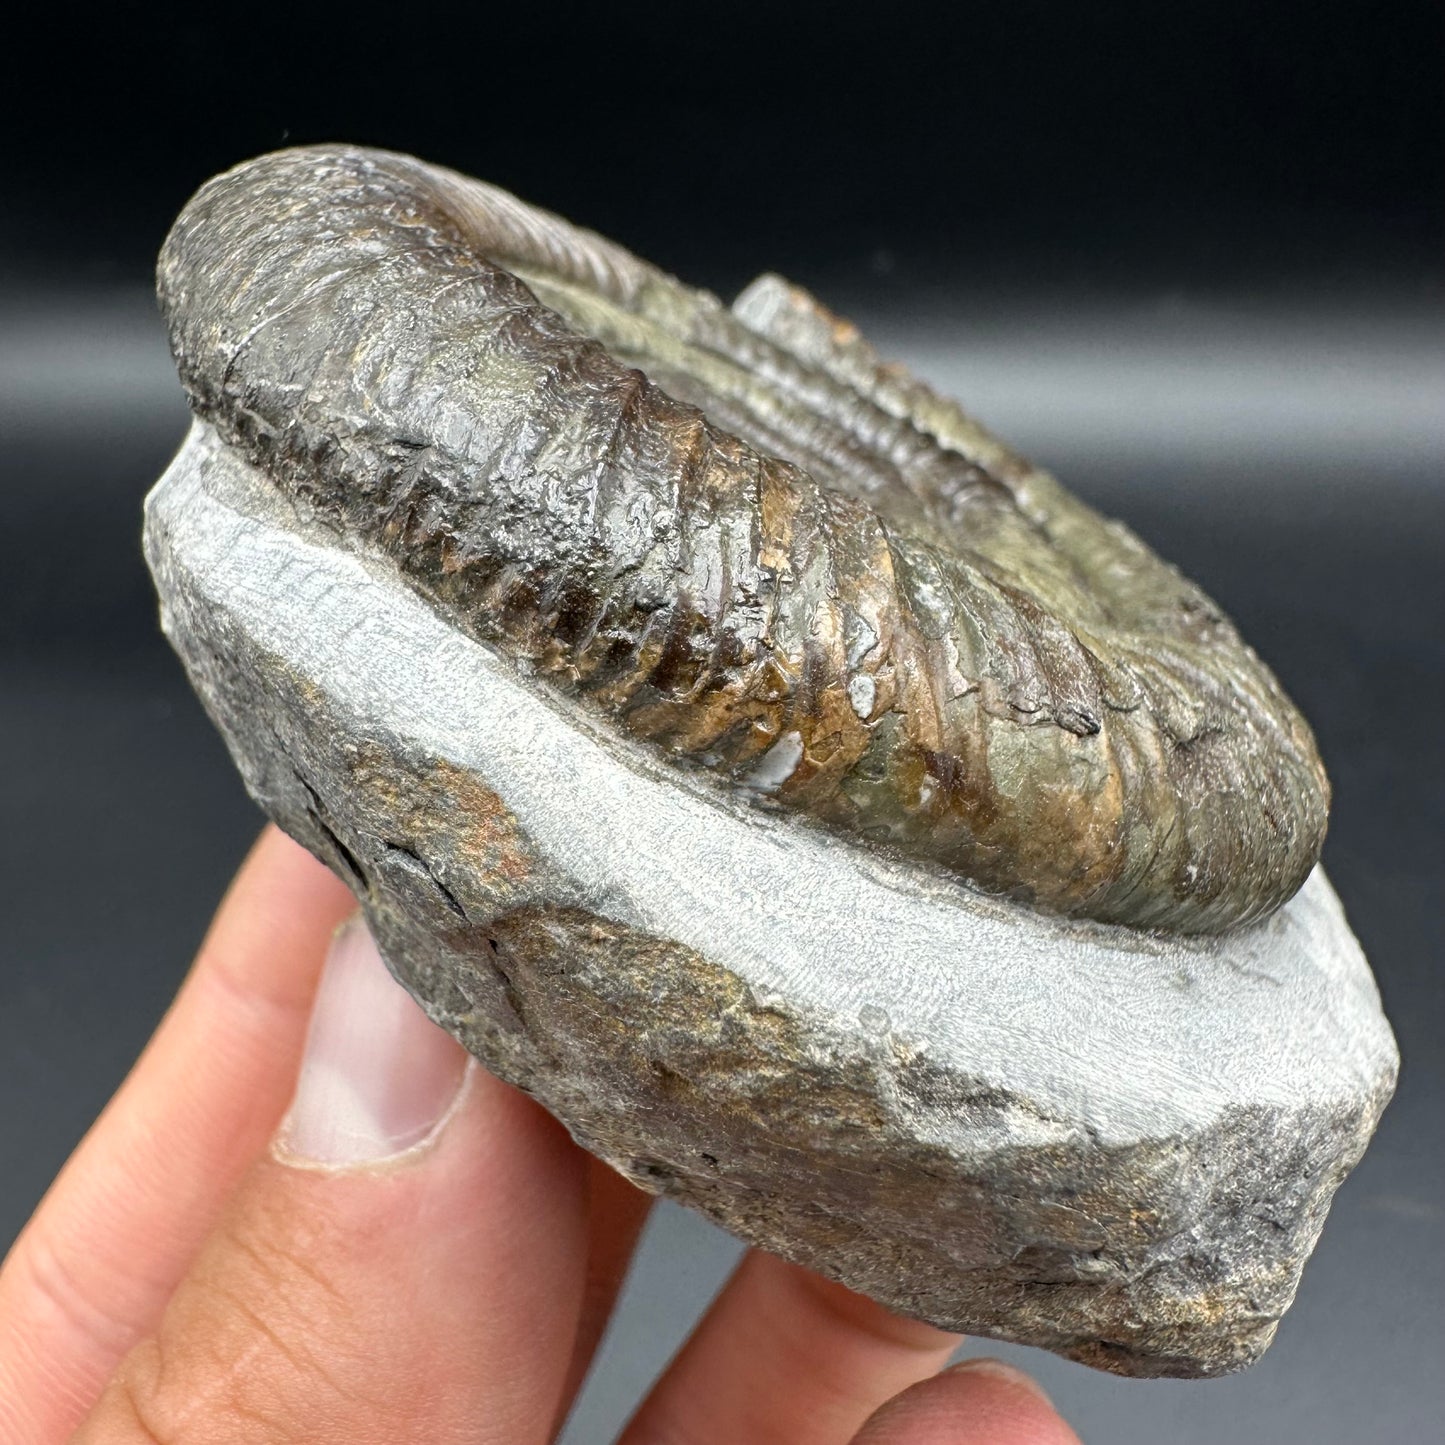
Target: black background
1212, 193
1207, 139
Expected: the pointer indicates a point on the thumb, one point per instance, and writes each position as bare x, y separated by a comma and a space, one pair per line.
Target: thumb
405, 1262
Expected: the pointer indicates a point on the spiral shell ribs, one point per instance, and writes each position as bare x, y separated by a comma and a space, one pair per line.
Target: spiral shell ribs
738, 535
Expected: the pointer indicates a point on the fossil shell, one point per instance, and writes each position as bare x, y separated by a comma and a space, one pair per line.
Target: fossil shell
740, 536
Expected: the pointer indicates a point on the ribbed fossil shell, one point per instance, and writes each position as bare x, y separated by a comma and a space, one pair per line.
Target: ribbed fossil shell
741, 536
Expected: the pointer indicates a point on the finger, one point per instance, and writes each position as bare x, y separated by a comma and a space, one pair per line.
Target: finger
617, 1210
406, 1262
786, 1356
95, 1266
978, 1402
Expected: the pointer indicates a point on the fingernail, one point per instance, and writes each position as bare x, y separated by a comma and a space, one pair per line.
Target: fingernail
378, 1077
996, 1369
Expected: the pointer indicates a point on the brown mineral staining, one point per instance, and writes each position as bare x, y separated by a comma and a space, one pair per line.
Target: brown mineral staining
741, 537
459, 830
487, 835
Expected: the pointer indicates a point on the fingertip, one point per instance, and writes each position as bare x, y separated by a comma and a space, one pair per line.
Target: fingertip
270, 934
980, 1401
986, 1368
276, 861
378, 1077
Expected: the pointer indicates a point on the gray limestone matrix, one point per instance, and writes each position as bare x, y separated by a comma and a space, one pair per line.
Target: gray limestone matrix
838, 826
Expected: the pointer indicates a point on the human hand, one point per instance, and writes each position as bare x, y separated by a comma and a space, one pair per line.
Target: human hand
414, 1252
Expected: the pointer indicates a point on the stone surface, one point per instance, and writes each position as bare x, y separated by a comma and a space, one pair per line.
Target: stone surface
1110, 1143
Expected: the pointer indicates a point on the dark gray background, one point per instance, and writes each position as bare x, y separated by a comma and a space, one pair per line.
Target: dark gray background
1189, 258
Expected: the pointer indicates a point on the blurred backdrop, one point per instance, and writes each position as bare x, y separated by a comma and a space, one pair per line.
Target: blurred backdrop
1187, 256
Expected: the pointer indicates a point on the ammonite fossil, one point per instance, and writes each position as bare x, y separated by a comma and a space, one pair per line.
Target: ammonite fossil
741, 536
840, 828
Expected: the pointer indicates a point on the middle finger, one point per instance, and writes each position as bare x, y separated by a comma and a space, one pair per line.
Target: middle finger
784, 1357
